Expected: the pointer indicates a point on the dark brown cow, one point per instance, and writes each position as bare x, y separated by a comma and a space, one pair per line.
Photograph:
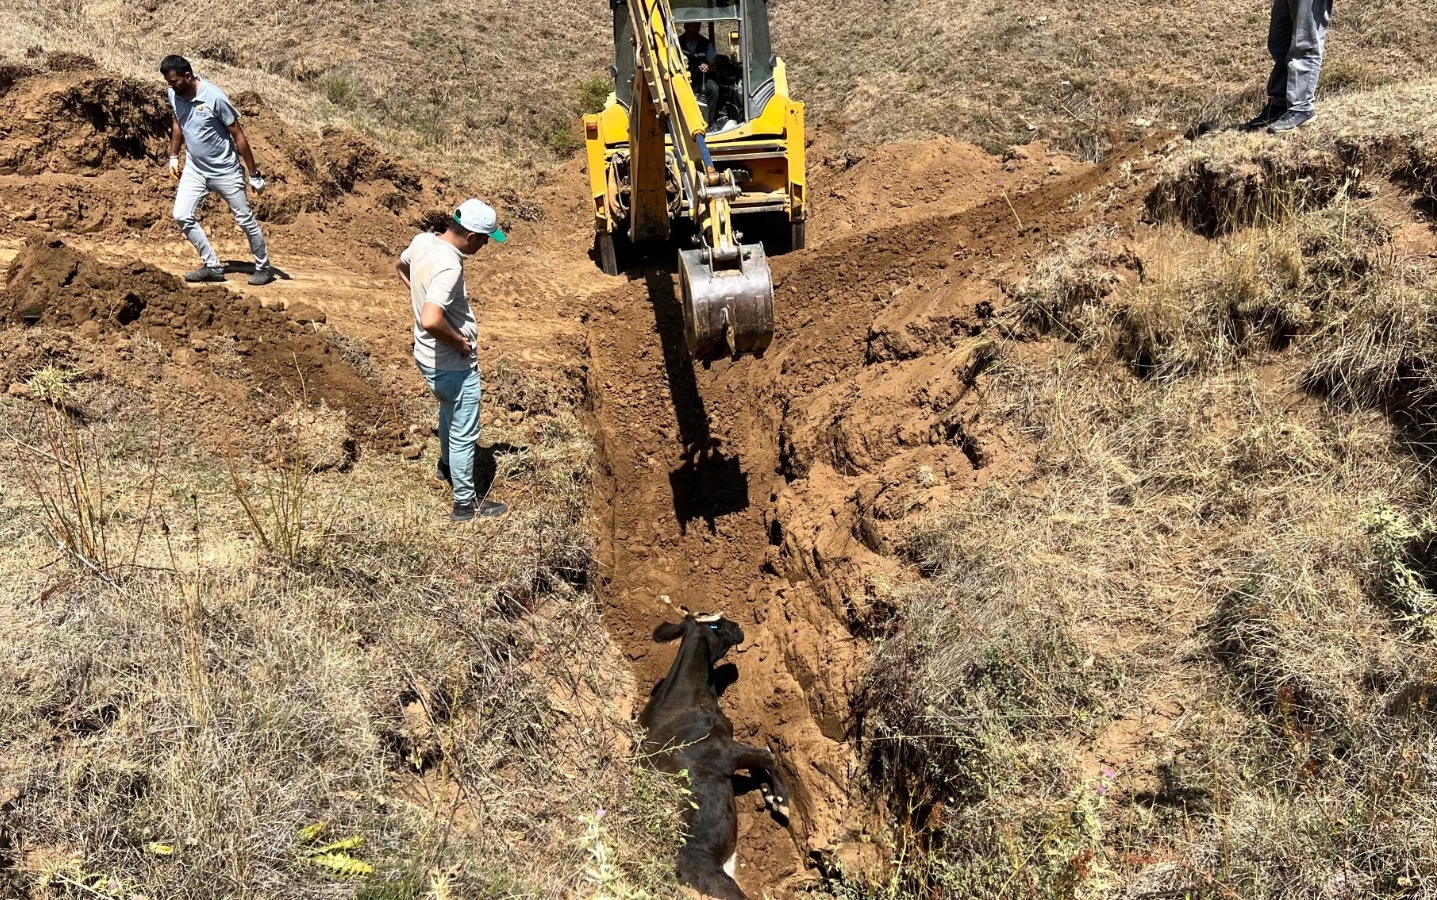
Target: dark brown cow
686, 730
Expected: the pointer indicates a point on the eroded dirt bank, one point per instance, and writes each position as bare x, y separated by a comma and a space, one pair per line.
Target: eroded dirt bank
765, 488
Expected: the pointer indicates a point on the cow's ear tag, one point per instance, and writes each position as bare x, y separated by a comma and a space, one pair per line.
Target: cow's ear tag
714, 626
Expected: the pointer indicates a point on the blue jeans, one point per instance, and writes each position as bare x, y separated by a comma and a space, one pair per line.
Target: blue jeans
458, 396
1296, 36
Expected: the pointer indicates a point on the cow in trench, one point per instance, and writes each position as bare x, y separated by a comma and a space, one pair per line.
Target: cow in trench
686, 731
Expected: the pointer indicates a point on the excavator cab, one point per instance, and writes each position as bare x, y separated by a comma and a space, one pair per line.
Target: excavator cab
732, 155
727, 110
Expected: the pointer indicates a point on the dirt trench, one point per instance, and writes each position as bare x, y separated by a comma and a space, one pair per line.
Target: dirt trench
740, 487
685, 481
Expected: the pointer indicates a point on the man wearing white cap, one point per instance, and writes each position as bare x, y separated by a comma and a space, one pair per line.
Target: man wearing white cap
445, 336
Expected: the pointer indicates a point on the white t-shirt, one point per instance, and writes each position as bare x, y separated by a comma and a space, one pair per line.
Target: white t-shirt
436, 275
205, 122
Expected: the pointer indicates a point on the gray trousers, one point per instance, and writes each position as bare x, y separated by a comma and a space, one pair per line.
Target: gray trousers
193, 189
1295, 38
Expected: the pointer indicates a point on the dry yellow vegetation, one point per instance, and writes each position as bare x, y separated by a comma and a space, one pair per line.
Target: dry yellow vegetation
494, 90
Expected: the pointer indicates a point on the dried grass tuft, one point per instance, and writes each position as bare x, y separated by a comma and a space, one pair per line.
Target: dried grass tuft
220, 704
1062, 294
1197, 545
1233, 180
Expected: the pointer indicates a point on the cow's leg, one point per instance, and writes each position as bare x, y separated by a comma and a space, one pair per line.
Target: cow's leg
756, 759
730, 868
706, 877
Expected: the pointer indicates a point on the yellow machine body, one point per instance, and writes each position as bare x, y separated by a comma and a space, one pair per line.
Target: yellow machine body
655, 158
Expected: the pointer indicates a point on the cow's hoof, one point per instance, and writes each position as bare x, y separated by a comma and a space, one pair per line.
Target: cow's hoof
775, 802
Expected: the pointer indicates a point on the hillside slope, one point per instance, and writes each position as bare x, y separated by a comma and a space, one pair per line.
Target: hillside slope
1079, 519
494, 91
1082, 75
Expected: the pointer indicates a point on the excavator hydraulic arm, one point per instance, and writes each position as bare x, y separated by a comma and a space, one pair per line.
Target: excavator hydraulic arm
725, 287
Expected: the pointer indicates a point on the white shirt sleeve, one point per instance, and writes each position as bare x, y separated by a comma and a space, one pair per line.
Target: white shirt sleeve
441, 287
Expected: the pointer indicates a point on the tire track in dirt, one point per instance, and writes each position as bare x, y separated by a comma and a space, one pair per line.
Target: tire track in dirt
693, 496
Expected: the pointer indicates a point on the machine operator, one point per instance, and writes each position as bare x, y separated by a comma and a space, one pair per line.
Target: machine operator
703, 67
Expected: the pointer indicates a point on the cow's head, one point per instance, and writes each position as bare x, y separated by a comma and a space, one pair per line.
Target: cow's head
716, 631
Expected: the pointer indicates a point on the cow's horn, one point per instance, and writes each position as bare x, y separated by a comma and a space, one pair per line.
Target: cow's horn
712, 617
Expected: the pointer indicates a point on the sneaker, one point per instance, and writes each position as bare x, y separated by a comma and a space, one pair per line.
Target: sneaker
441, 472
1271, 112
205, 273
485, 509
1291, 121
261, 276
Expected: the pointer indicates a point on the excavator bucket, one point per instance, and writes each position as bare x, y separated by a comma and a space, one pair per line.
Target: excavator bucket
727, 312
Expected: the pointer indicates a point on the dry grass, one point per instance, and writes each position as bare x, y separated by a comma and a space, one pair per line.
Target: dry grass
1188, 653
1189, 560
1082, 77
1234, 180
1068, 286
442, 693
1329, 280
491, 93
479, 91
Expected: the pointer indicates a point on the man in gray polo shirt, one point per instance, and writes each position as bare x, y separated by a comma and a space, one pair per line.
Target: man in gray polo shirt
445, 335
207, 124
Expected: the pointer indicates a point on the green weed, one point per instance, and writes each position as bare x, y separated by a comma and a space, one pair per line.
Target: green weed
594, 92
1396, 542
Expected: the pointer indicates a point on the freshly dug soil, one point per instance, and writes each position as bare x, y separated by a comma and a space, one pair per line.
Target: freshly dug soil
53, 286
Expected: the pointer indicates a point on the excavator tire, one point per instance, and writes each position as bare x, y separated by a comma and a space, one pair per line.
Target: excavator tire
608, 253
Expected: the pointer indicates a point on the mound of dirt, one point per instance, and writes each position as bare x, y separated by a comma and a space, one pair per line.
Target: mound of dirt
1232, 179
265, 357
317, 174
83, 150
82, 124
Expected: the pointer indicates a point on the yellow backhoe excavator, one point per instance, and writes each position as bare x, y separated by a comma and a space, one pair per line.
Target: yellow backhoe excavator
700, 138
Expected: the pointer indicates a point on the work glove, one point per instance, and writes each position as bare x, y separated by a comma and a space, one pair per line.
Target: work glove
175, 167
256, 182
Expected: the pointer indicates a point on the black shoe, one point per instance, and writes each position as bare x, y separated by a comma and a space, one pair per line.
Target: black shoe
1292, 121
441, 472
485, 509
205, 273
1271, 112
261, 276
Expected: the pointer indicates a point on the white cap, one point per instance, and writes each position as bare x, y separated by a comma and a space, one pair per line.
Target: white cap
478, 216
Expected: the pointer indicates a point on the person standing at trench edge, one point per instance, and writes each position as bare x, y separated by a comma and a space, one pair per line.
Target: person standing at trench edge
1296, 38
445, 337
217, 156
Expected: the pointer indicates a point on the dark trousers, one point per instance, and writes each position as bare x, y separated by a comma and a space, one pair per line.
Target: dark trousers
707, 90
